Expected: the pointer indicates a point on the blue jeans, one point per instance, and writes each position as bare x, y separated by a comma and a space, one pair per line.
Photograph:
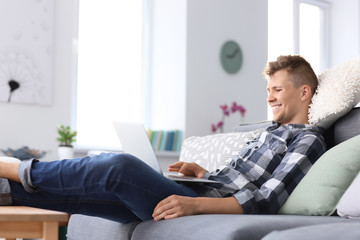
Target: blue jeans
118, 187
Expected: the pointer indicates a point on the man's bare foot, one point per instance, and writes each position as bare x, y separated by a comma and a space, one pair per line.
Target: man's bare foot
9, 168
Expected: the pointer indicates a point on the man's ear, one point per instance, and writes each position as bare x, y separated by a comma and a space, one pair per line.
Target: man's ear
306, 92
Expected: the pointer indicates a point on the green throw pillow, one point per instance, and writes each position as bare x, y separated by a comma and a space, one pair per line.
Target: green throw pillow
321, 189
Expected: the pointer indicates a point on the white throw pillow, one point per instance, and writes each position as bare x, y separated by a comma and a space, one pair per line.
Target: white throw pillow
213, 151
348, 205
338, 92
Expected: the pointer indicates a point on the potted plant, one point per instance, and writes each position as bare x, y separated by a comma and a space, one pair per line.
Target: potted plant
65, 139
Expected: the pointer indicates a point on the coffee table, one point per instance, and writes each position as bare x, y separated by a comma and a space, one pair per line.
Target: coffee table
28, 222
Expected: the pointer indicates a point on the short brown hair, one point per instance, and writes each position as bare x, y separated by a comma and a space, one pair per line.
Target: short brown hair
297, 67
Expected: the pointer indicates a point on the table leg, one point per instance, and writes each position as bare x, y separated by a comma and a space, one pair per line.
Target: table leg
50, 230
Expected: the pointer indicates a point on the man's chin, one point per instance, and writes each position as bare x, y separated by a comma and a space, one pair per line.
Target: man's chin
278, 120
275, 119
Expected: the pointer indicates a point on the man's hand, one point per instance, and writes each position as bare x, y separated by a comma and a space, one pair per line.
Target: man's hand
178, 206
188, 169
175, 206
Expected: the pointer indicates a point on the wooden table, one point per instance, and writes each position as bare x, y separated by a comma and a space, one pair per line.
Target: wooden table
27, 222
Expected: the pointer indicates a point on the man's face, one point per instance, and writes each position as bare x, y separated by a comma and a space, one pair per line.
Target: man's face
285, 100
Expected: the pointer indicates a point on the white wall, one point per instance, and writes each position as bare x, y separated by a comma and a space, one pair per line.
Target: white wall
189, 83
209, 24
345, 30
35, 126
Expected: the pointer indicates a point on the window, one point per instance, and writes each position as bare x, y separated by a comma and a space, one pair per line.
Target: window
109, 77
299, 27
310, 32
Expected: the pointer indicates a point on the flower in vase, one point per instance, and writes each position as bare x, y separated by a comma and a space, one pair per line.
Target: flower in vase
235, 107
225, 109
226, 112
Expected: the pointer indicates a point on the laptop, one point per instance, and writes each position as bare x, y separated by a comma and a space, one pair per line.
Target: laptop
134, 140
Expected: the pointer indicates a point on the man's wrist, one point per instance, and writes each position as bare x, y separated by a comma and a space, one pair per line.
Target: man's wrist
230, 205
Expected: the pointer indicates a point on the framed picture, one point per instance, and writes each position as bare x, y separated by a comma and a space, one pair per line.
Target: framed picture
26, 51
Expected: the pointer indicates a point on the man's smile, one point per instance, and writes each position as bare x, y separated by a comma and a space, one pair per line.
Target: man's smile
275, 107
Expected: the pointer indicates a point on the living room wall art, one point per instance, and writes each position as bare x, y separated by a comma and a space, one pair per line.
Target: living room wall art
26, 57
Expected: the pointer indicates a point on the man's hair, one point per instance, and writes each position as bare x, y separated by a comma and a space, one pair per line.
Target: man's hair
298, 68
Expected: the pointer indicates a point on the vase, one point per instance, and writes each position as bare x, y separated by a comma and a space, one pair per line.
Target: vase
65, 152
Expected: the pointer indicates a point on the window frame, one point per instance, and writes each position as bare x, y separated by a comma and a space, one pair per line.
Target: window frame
324, 26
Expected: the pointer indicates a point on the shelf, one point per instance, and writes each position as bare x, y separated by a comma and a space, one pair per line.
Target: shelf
167, 154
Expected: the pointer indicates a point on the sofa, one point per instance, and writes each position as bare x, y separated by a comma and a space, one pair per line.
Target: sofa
324, 205
313, 223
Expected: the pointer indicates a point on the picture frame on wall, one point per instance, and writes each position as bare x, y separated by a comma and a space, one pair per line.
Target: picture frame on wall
26, 51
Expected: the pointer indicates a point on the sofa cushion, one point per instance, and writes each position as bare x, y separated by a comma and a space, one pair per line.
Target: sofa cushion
344, 128
95, 228
332, 231
348, 126
348, 205
321, 189
220, 226
338, 92
213, 151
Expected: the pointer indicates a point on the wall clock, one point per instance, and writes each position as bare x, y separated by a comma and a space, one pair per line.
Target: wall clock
231, 57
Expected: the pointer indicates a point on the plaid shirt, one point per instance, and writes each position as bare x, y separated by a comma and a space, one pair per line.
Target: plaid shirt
264, 174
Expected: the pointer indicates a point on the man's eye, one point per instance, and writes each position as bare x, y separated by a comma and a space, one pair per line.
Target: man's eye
278, 89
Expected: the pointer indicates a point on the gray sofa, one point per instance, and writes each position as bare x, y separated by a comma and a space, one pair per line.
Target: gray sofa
247, 227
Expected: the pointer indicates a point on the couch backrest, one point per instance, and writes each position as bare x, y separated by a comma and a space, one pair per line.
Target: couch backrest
344, 128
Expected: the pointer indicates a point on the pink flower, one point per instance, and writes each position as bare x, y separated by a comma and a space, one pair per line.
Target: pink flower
225, 109
242, 111
226, 112
234, 107
213, 128
239, 108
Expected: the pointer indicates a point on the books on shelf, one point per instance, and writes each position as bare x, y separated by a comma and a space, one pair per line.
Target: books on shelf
165, 140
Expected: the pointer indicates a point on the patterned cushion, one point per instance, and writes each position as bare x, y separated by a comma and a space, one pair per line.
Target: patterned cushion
213, 151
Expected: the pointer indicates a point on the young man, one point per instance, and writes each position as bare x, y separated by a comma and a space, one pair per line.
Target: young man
120, 187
